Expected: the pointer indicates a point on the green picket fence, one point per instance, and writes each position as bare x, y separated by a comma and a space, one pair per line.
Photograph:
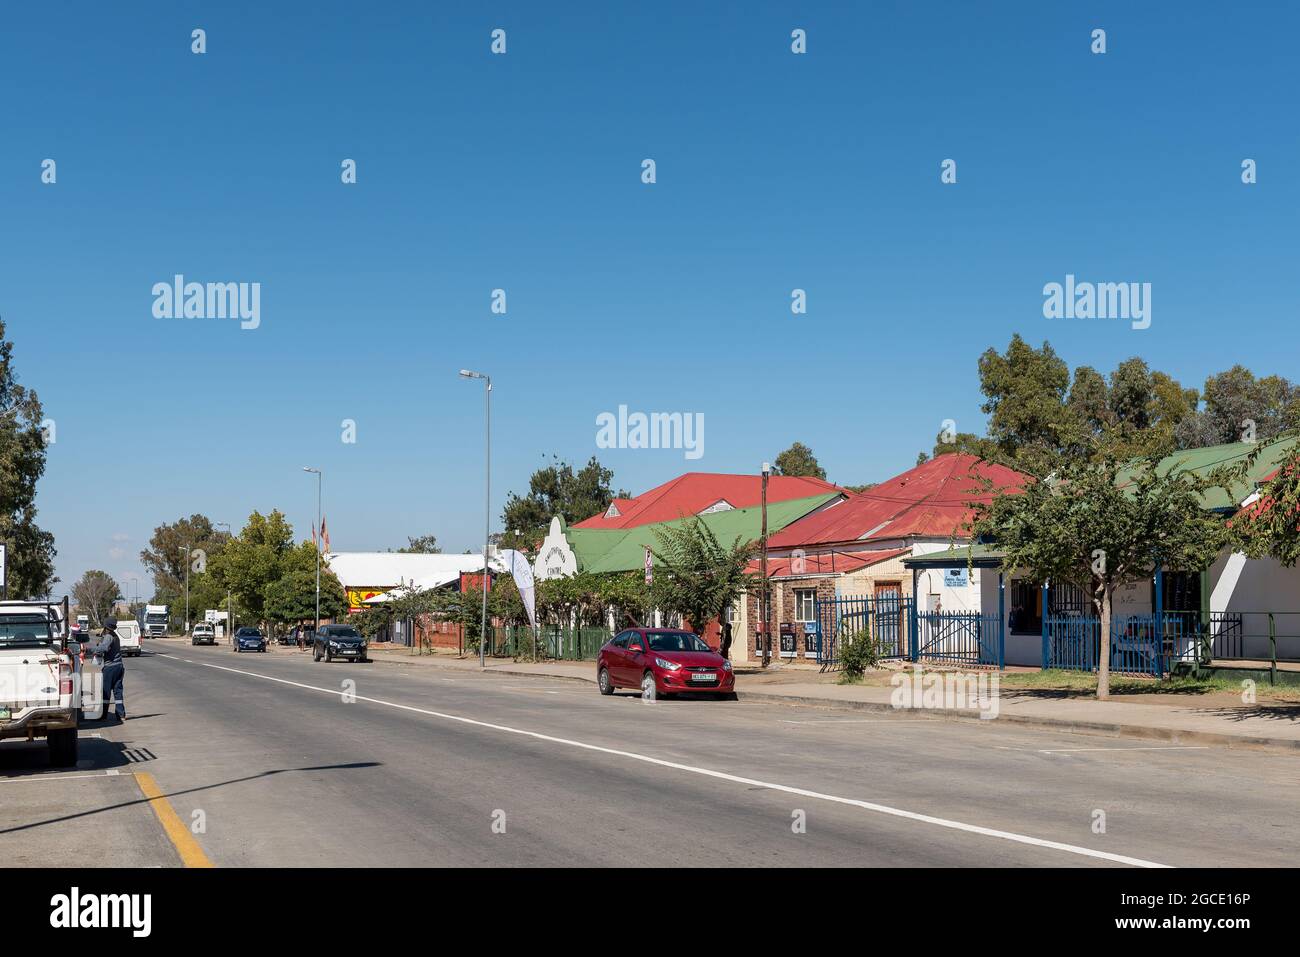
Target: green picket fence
554, 642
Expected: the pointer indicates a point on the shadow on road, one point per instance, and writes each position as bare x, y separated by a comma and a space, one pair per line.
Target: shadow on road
205, 787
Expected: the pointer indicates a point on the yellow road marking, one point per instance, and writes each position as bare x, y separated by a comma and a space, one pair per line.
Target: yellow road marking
191, 854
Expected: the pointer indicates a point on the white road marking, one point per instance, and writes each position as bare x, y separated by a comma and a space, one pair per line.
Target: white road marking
55, 777
1189, 747
858, 721
723, 776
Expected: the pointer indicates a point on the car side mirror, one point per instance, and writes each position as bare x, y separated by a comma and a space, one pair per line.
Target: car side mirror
637, 648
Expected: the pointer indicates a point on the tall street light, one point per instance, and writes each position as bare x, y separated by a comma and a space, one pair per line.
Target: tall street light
230, 619
767, 596
187, 588
317, 473
487, 500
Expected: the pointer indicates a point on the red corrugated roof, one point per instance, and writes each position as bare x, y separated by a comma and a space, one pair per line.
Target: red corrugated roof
933, 499
693, 492
832, 562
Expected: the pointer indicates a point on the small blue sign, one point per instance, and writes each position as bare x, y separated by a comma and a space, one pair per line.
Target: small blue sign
956, 577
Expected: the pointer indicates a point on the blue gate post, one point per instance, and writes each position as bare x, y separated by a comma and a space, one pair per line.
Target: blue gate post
914, 636
1160, 621
1046, 597
1002, 622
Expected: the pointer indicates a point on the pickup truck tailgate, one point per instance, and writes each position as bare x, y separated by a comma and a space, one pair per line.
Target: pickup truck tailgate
29, 678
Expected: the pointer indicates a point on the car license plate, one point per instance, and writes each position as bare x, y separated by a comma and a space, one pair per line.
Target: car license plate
704, 676
4, 714
349, 651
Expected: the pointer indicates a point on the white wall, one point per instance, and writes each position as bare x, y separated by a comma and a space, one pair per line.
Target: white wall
1252, 588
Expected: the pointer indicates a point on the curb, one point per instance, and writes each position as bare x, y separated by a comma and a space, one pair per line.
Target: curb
1101, 728
1112, 729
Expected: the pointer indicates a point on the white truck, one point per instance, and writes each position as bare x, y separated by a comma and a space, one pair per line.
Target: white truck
128, 636
155, 621
42, 692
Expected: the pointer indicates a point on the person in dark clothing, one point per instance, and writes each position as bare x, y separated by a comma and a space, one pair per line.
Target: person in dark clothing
114, 668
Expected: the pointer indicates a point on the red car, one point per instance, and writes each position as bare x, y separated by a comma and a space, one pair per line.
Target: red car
663, 661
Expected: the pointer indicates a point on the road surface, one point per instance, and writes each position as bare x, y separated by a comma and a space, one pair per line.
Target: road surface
271, 759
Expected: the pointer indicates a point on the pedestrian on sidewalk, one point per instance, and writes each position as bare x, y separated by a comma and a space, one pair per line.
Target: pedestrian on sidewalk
110, 647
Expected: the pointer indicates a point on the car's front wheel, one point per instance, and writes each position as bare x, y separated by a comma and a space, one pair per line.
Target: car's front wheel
649, 690
603, 681
315, 653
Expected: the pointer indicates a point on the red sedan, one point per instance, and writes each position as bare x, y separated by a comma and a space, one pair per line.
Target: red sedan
663, 661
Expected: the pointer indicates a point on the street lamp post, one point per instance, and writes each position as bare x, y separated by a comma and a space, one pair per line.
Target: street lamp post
487, 501
317, 473
767, 598
230, 619
186, 627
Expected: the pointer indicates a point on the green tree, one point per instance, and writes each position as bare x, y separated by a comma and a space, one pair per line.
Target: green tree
1101, 524
192, 542
556, 490
31, 549
422, 545
1270, 528
798, 460
255, 558
292, 597
699, 578
95, 594
1240, 407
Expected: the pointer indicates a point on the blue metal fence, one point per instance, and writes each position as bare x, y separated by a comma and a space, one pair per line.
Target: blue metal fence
1139, 644
960, 637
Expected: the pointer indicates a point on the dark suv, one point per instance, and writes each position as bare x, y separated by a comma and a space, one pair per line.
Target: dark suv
338, 641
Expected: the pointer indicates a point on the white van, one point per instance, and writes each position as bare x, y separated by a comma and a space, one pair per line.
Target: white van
128, 636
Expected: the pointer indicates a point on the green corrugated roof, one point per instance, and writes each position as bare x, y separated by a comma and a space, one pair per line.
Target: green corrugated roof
623, 549
980, 555
1204, 460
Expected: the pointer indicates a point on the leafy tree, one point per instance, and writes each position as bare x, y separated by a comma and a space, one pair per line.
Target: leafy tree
698, 577
255, 558
1238, 407
22, 463
292, 596
798, 460
95, 594
1103, 523
423, 545
556, 490
1270, 528
1025, 392
171, 549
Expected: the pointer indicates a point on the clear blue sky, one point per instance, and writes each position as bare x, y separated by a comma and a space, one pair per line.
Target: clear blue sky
522, 171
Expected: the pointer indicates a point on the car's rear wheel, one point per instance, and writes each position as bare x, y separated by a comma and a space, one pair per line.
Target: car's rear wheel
649, 690
63, 747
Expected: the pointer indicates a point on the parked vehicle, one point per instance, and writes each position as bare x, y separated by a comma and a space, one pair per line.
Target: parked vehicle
662, 662
249, 639
338, 641
155, 621
41, 678
128, 635
203, 634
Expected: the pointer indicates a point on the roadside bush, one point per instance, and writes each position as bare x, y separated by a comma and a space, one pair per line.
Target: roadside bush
858, 652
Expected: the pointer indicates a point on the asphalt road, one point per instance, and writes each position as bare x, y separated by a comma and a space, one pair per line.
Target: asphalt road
268, 760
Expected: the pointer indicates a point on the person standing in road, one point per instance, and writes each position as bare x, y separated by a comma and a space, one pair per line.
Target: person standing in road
114, 668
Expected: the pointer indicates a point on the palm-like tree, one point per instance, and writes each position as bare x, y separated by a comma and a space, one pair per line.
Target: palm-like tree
698, 577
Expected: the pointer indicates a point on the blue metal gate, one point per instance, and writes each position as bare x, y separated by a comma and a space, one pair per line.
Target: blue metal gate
887, 618
960, 637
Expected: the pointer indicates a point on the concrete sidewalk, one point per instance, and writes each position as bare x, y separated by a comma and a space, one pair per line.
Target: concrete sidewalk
1186, 723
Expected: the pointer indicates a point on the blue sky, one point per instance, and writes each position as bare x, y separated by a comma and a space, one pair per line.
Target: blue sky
522, 172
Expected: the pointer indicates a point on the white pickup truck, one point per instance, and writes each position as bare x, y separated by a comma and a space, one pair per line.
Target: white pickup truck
41, 687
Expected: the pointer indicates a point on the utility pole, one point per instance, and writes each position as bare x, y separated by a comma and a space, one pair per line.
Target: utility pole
487, 502
767, 598
230, 620
186, 628
319, 543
